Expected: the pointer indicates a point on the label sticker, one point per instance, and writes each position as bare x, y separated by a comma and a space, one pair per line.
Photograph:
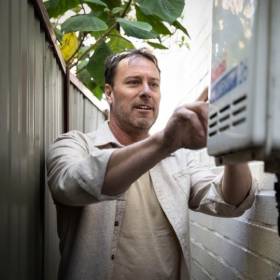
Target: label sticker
228, 81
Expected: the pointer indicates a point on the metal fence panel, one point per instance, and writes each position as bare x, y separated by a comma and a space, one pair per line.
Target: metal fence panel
5, 129
53, 89
31, 117
21, 221
76, 109
92, 116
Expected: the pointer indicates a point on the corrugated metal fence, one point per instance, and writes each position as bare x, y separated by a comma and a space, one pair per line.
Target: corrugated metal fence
34, 109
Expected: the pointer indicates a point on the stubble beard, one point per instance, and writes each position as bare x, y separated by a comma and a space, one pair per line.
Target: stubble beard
135, 124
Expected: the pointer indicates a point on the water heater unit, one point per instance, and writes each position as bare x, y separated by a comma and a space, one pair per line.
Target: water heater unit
244, 97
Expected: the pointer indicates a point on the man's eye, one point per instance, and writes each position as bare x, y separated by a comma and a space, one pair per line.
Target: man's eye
154, 85
133, 82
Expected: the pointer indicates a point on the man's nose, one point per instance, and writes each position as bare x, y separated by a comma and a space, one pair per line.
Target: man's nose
146, 90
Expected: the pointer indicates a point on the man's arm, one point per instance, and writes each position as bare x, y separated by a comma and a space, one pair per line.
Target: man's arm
129, 163
186, 128
237, 182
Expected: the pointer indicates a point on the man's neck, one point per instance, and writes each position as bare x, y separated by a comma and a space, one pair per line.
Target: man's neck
125, 137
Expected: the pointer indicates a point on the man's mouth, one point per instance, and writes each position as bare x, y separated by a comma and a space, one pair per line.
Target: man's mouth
144, 107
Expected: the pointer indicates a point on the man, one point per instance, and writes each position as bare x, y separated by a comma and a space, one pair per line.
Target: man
123, 195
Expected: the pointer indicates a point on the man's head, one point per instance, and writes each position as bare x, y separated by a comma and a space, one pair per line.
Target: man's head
113, 61
133, 90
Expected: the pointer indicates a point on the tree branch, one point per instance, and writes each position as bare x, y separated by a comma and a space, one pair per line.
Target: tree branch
83, 7
126, 8
83, 36
102, 37
93, 46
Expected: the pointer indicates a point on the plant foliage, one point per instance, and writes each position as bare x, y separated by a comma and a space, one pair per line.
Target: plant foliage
90, 30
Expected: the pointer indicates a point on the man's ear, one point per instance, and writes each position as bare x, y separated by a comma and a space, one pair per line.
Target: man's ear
108, 93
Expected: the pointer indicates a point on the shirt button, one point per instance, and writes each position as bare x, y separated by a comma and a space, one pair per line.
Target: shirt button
112, 257
116, 223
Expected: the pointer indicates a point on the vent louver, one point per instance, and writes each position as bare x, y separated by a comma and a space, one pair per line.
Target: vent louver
230, 115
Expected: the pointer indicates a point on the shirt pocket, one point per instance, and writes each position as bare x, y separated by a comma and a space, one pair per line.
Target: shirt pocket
183, 179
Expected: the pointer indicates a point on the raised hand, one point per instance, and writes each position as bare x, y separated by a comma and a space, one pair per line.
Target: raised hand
187, 127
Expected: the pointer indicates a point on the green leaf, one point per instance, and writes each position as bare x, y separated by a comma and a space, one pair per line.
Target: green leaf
96, 65
58, 34
117, 10
97, 2
118, 43
77, 9
154, 21
113, 3
83, 23
157, 46
56, 8
98, 92
178, 25
97, 34
83, 49
109, 4
100, 12
167, 10
138, 29
81, 65
85, 77
96, 8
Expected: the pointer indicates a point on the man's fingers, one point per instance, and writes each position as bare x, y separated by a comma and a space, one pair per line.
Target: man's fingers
194, 119
201, 109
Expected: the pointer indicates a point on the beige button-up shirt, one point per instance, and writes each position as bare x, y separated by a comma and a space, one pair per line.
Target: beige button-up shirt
147, 245
89, 222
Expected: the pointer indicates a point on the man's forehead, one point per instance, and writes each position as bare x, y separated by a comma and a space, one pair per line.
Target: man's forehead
136, 62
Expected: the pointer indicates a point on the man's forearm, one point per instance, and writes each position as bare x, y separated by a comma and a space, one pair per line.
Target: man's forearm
186, 128
237, 183
129, 163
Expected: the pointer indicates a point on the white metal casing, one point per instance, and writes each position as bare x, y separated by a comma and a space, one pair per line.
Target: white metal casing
244, 96
273, 112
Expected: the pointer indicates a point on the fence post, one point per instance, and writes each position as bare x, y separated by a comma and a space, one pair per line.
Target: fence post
66, 100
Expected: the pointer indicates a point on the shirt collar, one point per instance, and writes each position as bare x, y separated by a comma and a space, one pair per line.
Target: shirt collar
105, 137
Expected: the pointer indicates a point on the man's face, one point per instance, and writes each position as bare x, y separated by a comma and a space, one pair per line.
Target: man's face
135, 96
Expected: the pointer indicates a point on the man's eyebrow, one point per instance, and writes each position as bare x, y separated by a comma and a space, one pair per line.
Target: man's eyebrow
140, 77
132, 77
155, 79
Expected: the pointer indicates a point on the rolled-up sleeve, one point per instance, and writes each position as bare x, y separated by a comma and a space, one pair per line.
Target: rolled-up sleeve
206, 194
76, 170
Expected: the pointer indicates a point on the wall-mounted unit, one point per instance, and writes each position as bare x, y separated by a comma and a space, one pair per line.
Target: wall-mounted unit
244, 110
